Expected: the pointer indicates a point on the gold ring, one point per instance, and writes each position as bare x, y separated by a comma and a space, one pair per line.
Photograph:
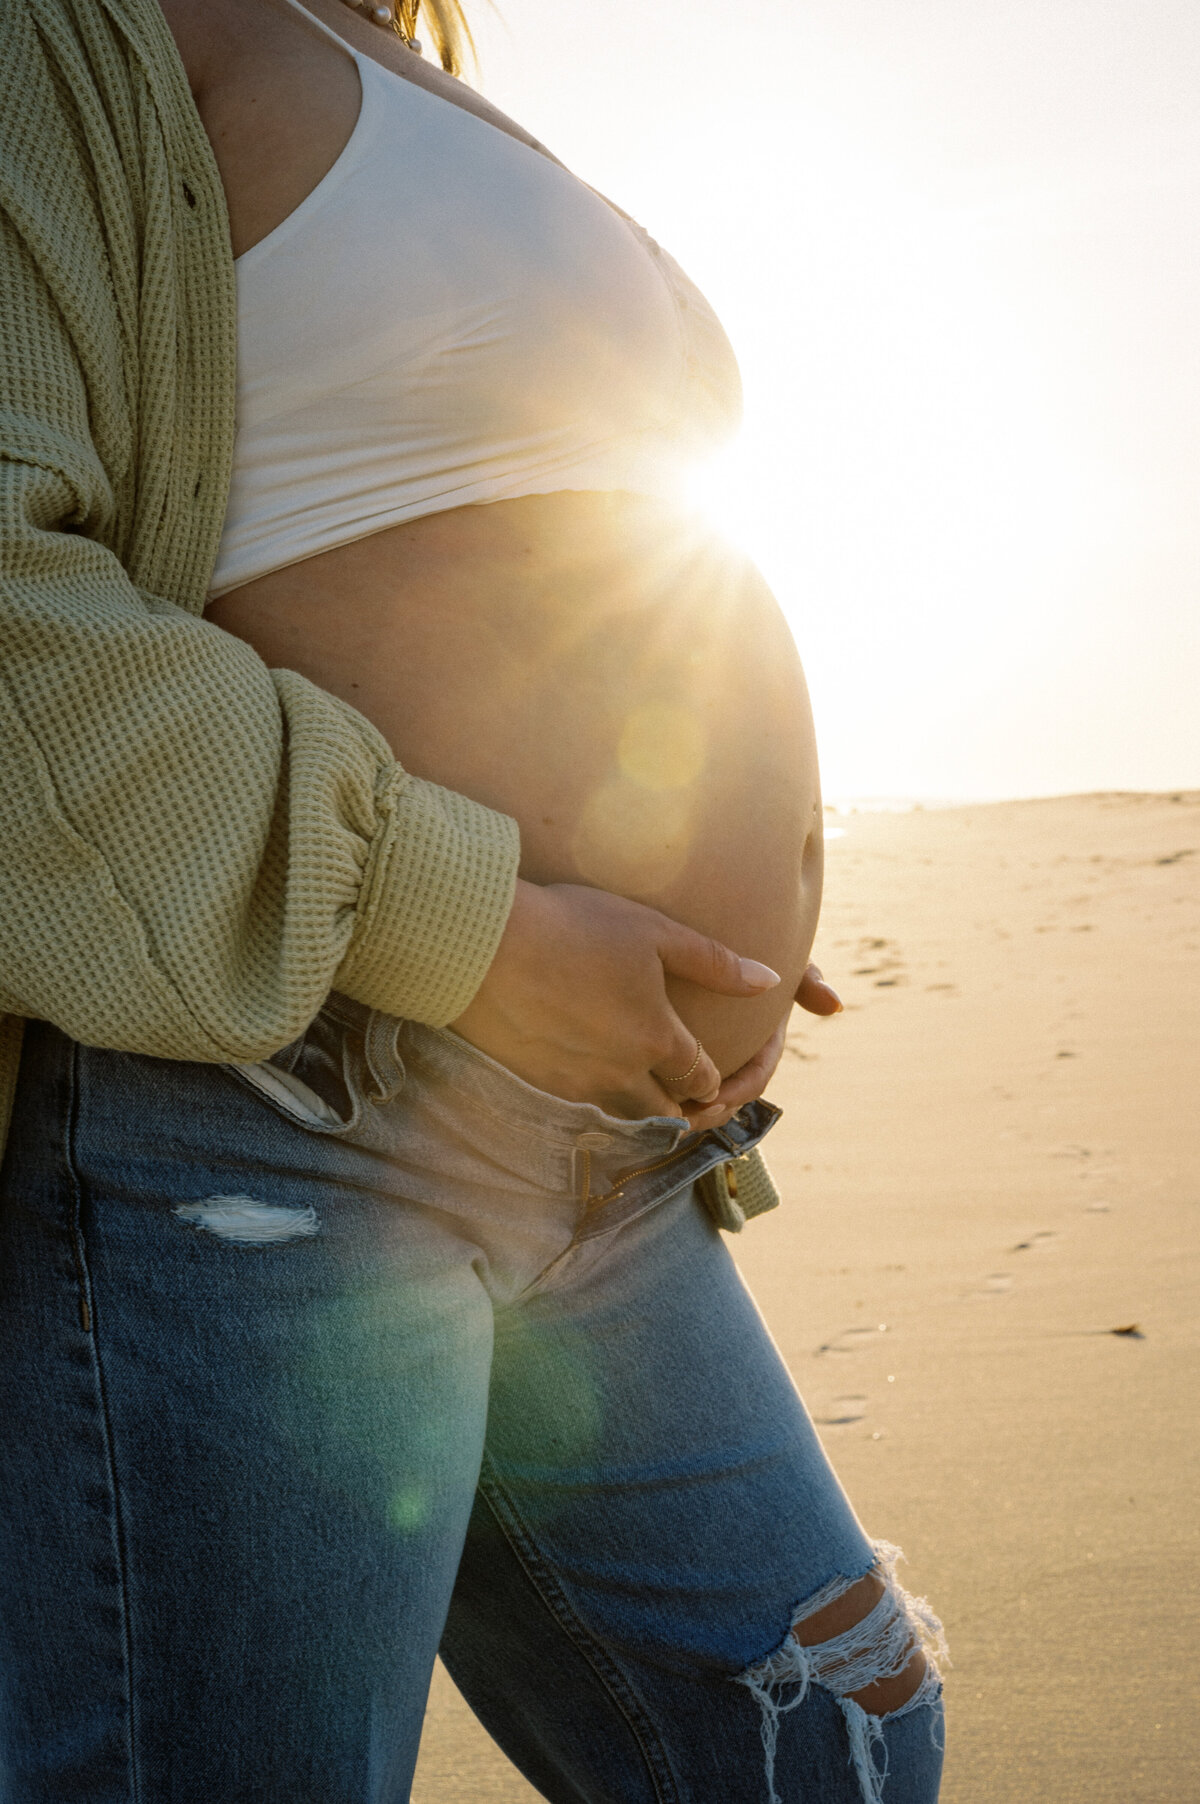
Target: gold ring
684, 1078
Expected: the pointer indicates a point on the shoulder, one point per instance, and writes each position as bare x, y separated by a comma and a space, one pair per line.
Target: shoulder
221, 41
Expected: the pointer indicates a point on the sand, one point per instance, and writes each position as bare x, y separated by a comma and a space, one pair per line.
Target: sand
986, 1278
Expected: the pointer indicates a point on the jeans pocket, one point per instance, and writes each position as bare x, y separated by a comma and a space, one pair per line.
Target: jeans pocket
292, 1095
318, 1080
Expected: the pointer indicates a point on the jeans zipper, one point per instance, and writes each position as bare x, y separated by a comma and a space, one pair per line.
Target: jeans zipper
595, 1202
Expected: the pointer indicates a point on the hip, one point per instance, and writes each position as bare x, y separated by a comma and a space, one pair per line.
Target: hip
364, 1125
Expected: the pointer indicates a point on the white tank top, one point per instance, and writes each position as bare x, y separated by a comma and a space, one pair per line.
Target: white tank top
451, 317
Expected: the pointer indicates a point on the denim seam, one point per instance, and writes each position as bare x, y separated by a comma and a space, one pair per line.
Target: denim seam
119, 1535
520, 1539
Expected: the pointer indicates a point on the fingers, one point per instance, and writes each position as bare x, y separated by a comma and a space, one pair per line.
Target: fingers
637, 1103
817, 996
743, 1085
707, 962
694, 1077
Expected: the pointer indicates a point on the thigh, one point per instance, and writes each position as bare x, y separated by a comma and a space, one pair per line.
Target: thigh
245, 1404
654, 1505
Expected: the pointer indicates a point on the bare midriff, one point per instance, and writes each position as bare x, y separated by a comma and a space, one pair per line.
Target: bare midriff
609, 672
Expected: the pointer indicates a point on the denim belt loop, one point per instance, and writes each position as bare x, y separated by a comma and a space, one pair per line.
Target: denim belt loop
382, 1054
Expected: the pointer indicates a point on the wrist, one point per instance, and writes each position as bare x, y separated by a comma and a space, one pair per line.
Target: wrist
521, 930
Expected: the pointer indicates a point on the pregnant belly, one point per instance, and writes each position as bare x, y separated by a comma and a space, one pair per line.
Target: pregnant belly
599, 667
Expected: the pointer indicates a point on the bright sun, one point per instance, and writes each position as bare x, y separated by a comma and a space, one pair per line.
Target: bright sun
919, 511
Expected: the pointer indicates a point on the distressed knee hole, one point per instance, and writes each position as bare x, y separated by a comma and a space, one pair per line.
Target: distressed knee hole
869, 1608
868, 1642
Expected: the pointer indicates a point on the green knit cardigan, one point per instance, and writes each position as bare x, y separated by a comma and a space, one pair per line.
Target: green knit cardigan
195, 849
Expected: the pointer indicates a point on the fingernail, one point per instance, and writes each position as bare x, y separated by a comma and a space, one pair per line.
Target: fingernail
761, 976
830, 991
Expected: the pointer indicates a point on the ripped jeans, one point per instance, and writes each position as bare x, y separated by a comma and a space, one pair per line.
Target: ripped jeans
310, 1370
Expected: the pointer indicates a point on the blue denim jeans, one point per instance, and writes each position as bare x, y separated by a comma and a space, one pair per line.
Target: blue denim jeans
314, 1368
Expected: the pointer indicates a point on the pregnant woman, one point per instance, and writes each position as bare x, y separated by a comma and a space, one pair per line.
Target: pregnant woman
386, 1072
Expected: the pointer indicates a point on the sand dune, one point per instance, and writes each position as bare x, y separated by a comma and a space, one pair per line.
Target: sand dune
986, 1278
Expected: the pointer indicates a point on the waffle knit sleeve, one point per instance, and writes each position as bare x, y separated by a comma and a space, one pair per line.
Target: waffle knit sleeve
196, 849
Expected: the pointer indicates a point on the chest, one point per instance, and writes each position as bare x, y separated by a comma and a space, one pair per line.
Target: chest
277, 91
444, 276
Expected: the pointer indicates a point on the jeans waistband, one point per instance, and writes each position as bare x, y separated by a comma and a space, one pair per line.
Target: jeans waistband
462, 1095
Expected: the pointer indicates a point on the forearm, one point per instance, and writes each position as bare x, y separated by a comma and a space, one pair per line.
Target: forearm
198, 849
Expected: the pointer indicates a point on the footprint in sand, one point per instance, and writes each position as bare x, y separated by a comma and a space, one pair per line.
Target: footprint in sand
844, 1411
871, 948
851, 1339
996, 1284
888, 970
1035, 1240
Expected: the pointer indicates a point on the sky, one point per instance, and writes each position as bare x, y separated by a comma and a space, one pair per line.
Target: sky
955, 244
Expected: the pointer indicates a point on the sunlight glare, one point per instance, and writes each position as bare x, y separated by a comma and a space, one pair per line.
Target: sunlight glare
921, 512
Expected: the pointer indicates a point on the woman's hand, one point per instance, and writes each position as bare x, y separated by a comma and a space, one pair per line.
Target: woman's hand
575, 1001
743, 1086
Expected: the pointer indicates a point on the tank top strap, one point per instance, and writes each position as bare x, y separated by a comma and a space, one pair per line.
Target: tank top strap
320, 25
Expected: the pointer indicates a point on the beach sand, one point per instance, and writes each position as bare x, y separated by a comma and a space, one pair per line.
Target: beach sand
986, 1278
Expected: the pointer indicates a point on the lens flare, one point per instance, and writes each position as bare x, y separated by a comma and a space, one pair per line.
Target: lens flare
632, 839
662, 746
408, 1509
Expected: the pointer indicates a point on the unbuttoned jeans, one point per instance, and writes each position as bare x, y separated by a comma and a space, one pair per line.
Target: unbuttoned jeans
312, 1368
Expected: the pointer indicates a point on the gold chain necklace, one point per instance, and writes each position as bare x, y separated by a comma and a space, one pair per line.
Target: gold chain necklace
399, 16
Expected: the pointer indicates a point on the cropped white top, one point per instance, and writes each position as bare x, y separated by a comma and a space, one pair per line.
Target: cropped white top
452, 317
